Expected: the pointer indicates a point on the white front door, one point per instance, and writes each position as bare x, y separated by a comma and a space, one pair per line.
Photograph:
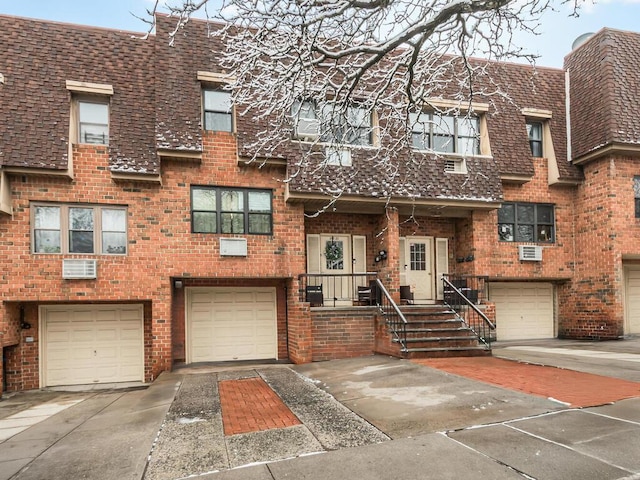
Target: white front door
335, 259
416, 267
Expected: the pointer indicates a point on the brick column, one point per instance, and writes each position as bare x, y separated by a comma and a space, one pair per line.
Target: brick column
299, 325
389, 239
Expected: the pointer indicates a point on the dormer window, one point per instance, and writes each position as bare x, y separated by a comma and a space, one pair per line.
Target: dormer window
534, 131
445, 133
332, 124
93, 122
217, 110
89, 112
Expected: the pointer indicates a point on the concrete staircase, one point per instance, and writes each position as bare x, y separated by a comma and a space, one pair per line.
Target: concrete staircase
435, 331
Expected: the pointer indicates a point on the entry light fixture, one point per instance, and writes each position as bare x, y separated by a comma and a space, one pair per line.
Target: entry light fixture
382, 255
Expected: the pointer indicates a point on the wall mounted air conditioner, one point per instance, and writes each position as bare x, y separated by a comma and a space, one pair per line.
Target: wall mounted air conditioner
307, 128
338, 156
233, 247
530, 253
73, 268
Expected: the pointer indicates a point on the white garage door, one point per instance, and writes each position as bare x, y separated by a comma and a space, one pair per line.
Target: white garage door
231, 324
92, 344
633, 302
523, 310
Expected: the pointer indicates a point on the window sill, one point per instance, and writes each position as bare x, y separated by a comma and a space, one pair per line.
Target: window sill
336, 145
454, 156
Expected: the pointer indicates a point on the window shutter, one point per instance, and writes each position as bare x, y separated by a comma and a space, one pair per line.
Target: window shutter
403, 261
442, 263
313, 253
360, 259
359, 254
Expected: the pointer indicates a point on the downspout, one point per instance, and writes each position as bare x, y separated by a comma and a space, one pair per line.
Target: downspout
567, 100
286, 319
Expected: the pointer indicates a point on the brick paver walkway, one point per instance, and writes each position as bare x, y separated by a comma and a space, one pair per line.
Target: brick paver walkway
250, 405
575, 388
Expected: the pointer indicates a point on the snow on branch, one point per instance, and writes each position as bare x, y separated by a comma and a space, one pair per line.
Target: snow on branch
359, 73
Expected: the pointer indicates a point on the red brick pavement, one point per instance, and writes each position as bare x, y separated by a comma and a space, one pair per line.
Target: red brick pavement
575, 388
250, 405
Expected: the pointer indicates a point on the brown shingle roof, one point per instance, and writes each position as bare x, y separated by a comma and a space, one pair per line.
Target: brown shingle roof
157, 104
605, 91
38, 57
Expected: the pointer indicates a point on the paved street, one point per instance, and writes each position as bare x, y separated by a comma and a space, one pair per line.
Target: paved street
370, 417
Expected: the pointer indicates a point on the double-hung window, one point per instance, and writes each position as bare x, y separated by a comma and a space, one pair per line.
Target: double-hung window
90, 111
231, 210
445, 133
79, 229
93, 122
534, 132
636, 195
333, 123
218, 114
526, 222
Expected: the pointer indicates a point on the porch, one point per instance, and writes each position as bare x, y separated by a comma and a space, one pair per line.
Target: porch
361, 316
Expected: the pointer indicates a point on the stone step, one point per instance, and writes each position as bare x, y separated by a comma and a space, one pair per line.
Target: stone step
475, 351
443, 339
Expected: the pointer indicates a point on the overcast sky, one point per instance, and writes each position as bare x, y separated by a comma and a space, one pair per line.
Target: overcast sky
557, 31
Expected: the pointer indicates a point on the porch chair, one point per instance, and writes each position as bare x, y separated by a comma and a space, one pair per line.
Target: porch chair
364, 296
406, 295
314, 295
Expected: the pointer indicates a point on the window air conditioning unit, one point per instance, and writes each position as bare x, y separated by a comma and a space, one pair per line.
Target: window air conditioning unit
531, 253
233, 247
307, 128
79, 268
338, 156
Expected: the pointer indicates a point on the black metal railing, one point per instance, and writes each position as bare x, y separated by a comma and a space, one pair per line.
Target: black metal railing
333, 290
395, 320
474, 287
463, 300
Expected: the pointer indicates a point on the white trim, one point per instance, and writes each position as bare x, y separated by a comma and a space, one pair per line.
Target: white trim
5, 193
86, 87
442, 103
536, 113
215, 77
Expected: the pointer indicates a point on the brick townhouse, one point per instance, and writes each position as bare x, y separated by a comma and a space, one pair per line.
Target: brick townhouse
134, 235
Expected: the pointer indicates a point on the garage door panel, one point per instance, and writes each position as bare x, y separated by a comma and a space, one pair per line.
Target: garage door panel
95, 344
633, 302
238, 324
83, 334
244, 297
523, 310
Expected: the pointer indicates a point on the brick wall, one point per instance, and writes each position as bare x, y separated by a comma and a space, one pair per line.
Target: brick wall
160, 244
342, 333
607, 233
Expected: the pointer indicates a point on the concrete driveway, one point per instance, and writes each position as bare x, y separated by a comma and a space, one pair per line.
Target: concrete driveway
371, 417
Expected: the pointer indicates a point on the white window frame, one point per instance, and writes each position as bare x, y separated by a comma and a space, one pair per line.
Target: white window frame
64, 228
325, 129
426, 125
85, 92
229, 112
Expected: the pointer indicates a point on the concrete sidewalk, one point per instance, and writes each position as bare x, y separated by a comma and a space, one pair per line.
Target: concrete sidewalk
597, 443
105, 435
370, 417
